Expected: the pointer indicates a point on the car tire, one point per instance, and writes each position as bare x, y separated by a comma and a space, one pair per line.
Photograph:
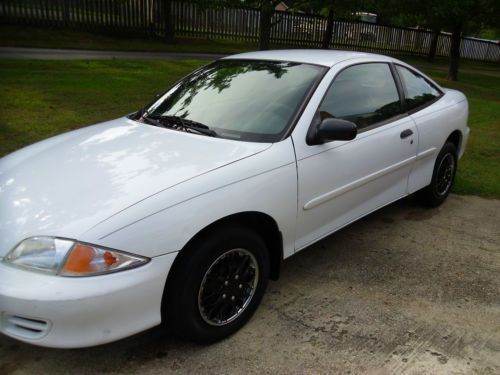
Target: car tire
443, 177
217, 284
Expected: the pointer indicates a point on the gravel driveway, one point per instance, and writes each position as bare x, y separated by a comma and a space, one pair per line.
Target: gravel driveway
405, 290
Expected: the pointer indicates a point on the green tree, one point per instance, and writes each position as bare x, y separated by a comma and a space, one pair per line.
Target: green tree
266, 15
461, 16
202, 5
169, 22
456, 16
331, 9
266, 8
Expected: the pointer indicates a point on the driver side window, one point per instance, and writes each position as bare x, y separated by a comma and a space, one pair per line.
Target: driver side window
364, 94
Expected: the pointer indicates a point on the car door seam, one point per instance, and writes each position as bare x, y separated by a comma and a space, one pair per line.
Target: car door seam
426, 153
417, 133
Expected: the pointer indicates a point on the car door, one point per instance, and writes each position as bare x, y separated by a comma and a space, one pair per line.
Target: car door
340, 181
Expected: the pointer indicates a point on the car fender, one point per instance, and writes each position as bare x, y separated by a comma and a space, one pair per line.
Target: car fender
435, 124
164, 223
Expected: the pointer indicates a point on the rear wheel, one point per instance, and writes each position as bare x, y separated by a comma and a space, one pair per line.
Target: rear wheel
217, 284
442, 178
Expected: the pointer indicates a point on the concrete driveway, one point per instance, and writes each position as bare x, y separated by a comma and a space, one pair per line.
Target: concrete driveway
405, 290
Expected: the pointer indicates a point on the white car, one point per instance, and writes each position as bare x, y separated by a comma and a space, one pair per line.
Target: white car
180, 213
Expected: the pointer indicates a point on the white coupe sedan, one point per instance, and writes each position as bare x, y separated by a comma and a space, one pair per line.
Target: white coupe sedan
181, 212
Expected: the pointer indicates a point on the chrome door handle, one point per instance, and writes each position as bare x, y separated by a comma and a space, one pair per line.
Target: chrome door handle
406, 133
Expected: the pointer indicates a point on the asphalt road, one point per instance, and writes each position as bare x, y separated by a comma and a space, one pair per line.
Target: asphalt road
74, 54
406, 290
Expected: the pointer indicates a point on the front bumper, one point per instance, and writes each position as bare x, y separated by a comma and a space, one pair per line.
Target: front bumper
65, 312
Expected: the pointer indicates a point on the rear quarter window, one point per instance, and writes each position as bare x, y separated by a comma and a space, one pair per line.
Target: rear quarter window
418, 91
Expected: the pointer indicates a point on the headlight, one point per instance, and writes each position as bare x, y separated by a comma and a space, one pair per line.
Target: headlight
40, 253
65, 257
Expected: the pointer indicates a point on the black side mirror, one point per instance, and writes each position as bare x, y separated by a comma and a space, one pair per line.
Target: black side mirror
332, 129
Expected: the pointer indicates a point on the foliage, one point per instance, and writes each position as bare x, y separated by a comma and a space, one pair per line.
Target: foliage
455, 16
471, 14
342, 8
491, 33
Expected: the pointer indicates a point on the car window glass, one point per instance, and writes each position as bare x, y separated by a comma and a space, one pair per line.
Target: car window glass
417, 90
241, 99
364, 94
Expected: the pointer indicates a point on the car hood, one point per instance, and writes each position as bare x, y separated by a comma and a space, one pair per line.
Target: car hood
67, 184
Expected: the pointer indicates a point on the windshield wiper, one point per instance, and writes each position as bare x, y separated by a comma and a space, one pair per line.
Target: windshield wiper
150, 121
179, 123
140, 114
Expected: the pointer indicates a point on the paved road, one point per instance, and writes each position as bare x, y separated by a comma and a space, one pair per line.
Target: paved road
73, 54
406, 290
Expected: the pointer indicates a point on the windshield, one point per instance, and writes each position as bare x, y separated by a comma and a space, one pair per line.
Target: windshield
240, 99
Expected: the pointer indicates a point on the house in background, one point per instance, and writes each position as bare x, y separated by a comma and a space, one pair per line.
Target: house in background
281, 7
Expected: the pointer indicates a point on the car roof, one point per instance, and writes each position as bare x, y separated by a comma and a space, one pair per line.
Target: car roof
309, 56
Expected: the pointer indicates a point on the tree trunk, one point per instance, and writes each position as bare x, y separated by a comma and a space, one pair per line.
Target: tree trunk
169, 22
266, 14
327, 36
455, 52
433, 47
65, 13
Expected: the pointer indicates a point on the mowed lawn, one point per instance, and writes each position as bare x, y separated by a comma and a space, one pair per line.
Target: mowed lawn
40, 99
43, 98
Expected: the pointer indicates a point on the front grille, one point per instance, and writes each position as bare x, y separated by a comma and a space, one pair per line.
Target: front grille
28, 328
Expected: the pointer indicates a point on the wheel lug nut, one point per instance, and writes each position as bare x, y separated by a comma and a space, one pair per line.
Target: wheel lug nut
232, 298
236, 277
226, 282
223, 296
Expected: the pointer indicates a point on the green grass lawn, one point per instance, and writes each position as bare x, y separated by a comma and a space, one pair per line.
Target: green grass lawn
42, 98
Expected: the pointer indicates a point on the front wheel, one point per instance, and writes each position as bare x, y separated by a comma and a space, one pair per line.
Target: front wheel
217, 284
443, 177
